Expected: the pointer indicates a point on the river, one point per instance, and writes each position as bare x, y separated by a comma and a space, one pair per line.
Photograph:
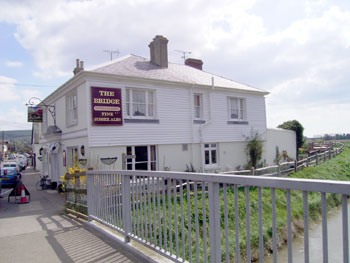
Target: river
335, 242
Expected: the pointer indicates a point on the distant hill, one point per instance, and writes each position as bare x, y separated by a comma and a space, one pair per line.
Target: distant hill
18, 141
19, 134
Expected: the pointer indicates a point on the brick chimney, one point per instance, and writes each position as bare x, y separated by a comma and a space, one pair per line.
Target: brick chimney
78, 67
159, 51
195, 63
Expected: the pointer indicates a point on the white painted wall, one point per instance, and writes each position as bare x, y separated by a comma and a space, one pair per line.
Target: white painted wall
175, 115
284, 139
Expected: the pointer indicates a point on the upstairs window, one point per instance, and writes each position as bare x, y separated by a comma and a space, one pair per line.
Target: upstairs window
72, 108
237, 108
198, 106
140, 103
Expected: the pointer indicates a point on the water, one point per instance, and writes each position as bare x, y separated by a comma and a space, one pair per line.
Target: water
335, 242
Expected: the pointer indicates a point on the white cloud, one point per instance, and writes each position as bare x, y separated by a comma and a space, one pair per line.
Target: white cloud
8, 89
14, 64
302, 57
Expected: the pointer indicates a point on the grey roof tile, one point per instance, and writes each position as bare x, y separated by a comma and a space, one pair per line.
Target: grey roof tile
138, 67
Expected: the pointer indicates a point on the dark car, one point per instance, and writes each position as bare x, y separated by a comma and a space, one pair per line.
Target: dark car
9, 177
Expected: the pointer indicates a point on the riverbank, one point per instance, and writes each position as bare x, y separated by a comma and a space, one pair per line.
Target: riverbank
335, 169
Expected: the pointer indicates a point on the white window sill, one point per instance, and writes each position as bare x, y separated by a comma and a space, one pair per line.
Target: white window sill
211, 167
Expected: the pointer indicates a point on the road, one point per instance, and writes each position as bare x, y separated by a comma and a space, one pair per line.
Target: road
39, 231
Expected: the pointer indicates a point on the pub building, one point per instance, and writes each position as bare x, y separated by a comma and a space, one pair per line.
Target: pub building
133, 113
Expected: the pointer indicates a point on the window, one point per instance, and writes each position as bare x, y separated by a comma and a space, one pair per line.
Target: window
210, 154
141, 158
140, 103
237, 109
198, 106
72, 108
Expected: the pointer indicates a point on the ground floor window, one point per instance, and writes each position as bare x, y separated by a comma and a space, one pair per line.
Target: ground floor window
210, 153
141, 158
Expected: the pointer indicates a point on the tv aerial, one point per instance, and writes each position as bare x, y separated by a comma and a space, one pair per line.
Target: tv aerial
111, 52
183, 53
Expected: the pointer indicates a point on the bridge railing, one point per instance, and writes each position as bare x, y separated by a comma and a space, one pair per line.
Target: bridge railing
196, 217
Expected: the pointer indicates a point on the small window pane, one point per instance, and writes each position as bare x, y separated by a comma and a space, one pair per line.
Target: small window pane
138, 96
213, 145
139, 109
213, 156
206, 145
207, 159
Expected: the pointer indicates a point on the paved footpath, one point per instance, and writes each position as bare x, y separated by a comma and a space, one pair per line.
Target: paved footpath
39, 231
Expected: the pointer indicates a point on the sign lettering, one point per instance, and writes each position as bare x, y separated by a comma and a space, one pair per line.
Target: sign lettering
106, 106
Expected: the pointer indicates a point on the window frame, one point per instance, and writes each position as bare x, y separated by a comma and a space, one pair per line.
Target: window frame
210, 148
149, 104
72, 110
200, 107
151, 157
241, 108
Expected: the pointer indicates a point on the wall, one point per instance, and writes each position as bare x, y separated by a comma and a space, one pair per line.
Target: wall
284, 139
175, 115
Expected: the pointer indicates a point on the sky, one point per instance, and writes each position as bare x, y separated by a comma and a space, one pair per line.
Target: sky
299, 51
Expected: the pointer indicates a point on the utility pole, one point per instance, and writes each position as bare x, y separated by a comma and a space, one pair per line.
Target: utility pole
2, 145
111, 52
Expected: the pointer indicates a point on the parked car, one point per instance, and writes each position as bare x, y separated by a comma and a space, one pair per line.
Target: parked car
10, 164
9, 177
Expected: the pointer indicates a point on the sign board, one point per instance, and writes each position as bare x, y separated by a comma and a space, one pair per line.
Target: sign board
35, 114
106, 106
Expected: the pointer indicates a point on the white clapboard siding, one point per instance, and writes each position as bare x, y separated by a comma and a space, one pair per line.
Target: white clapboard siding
175, 115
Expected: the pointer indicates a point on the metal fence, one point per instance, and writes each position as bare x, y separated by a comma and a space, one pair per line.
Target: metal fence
196, 217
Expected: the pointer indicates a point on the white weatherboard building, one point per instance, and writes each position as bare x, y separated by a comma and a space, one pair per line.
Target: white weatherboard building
135, 113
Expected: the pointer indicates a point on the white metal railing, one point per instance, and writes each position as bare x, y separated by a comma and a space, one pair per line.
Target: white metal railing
206, 217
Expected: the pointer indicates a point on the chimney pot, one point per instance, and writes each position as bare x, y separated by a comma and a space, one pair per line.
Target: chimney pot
195, 63
78, 68
159, 51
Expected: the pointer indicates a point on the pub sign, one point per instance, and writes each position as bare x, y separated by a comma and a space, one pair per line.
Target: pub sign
35, 114
106, 106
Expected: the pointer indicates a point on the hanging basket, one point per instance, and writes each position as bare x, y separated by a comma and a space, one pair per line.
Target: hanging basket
83, 161
109, 160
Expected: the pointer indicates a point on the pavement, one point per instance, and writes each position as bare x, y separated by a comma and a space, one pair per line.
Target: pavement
40, 231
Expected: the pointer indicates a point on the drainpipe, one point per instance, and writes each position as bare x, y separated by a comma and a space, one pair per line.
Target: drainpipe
192, 119
205, 124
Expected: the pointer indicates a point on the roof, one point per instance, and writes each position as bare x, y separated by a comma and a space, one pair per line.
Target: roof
139, 67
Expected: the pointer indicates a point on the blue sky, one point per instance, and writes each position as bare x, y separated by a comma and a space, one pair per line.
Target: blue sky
299, 51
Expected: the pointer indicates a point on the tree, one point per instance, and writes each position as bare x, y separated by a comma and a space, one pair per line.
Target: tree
294, 125
254, 148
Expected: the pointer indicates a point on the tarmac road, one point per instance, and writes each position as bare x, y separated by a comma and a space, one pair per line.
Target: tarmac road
39, 231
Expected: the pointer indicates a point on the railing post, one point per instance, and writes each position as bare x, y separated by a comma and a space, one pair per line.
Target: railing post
253, 170
295, 165
89, 193
214, 222
316, 158
126, 206
279, 169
